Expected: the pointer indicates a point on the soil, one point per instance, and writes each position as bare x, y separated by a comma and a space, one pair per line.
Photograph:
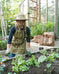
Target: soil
52, 50
34, 69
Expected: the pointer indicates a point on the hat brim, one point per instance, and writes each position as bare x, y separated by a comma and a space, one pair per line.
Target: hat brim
20, 19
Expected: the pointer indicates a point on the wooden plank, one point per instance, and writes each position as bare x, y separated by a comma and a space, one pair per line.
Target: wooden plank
40, 11
33, 9
32, 17
34, 1
47, 11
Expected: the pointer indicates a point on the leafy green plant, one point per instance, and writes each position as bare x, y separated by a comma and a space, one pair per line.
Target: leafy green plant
49, 66
32, 61
51, 57
57, 55
49, 26
44, 52
42, 58
37, 29
0, 58
3, 44
24, 68
9, 72
19, 64
57, 50
1, 66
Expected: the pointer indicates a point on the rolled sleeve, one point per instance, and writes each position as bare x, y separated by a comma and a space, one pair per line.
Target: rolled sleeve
28, 34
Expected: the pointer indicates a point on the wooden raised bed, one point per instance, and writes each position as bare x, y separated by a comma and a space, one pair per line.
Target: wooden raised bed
34, 69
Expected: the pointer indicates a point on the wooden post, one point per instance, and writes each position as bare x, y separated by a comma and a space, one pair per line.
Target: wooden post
47, 11
28, 12
32, 12
36, 10
39, 11
3, 23
56, 17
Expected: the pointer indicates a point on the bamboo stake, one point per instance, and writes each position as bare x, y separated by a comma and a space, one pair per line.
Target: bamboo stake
56, 17
28, 12
39, 11
47, 11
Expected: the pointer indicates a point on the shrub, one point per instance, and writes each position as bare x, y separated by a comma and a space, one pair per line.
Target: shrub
49, 27
37, 29
3, 44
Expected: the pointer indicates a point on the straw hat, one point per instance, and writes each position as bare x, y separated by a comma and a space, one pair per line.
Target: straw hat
20, 17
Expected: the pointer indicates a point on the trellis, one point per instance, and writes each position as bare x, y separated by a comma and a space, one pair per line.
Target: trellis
35, 7
35, 14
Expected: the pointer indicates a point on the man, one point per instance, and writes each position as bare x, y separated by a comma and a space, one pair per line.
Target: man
18, 36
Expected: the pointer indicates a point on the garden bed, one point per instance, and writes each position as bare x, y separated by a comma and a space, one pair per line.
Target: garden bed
42, 69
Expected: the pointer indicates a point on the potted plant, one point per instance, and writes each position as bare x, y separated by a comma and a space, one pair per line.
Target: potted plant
49, 34
37, 30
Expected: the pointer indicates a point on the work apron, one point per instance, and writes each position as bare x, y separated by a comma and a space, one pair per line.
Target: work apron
18, 44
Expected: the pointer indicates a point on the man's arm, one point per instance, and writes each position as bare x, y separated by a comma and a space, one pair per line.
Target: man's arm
8, 45
28, 44
11, 33
28, 37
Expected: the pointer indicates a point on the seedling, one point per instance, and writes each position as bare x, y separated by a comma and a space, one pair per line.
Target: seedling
57, 50
44, 52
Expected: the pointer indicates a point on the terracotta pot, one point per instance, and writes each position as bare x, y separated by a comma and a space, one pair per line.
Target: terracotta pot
36, 38
41, 39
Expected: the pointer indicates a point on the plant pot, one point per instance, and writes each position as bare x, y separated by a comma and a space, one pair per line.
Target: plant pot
36, 38
49, 38
41, 39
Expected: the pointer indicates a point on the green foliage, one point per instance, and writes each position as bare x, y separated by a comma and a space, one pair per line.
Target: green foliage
0, 31
57, 50
49, 26
48, 65
9, 72
0, 58
19, 64
3, 44
51, 57
44, 52
10, 24
32, 61
15, 68
37, 29
1, 67
36, 63
28, 53
17, 0
24, 68
57, 55
42, 58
